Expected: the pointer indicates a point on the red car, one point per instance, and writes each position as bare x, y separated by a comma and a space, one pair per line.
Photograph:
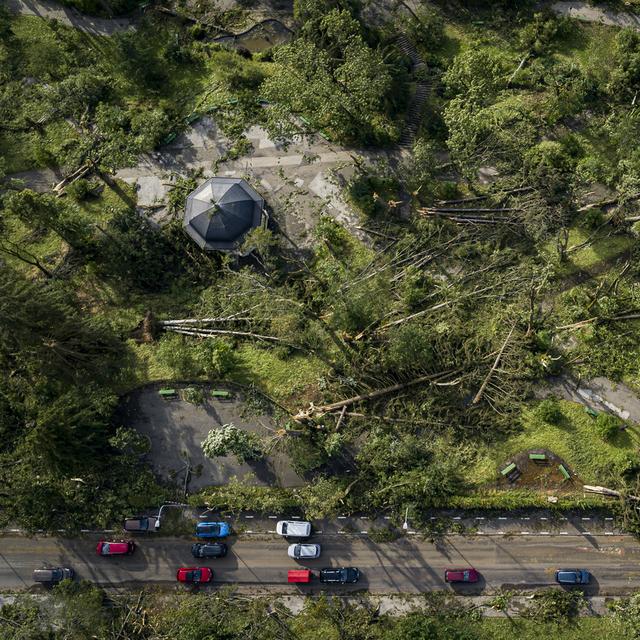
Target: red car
194, 575
461, 575
115, 547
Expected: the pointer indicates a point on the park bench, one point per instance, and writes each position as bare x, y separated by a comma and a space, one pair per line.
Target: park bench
564, 472
537, 457
508, 469
221, 393
591, 412
168, 393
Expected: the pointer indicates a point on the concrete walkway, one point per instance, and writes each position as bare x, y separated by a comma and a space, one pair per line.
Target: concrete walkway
599, 394
588, 13
69, 16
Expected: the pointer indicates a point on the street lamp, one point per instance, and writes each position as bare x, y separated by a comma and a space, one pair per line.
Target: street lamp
164, 506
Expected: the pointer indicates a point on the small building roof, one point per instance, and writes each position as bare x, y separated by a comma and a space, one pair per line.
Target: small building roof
220, 213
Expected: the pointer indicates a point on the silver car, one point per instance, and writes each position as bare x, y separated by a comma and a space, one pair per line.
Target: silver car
294, 528
304, 551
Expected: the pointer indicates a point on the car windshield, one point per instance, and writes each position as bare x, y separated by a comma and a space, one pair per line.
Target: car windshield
193, 576
284, 527
465, 575
210, 528
106, 548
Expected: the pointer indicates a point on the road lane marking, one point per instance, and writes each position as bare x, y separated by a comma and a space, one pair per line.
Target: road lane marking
479, 518
502, 518
364, 532
342, 517
608, 533
249, 517
273, 517
525, 533
542, 518
545, 533
564, 533
457, 518
586, 533
586, 518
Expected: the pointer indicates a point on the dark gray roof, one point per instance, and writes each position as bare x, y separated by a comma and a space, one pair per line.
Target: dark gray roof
220, 212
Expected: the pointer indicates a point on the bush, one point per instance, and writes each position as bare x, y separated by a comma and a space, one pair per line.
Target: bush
79, 190
245, 445
549, 411
608, 425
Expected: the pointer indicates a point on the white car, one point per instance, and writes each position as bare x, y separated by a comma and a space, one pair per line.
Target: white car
304, 551
294, 528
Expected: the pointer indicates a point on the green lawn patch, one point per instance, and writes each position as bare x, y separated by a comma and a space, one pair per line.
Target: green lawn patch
575, 439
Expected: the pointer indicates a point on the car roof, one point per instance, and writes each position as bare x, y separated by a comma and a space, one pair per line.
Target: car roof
116, 545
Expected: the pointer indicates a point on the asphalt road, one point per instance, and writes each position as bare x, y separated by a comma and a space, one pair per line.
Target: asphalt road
408, 565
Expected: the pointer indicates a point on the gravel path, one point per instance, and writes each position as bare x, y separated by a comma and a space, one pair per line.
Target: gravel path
68, 16
588, 13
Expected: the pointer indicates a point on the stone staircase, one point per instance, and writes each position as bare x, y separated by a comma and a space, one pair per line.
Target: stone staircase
423, 89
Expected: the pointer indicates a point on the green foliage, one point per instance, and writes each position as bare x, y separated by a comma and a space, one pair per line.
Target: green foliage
554, 605
608, 426
549, 411
228, 439
333, 78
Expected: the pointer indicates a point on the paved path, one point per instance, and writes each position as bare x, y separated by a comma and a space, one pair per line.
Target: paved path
599, 394
69, 16
588, 13
408, 565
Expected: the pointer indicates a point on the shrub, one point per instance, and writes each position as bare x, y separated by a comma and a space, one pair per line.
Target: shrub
79, 190
549, 411
608, 425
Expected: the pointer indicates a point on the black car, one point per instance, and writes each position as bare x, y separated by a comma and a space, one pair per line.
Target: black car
209, 550
342, 575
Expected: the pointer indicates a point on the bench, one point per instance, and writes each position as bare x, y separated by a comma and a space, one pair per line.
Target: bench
221, 393
508, 469
537, 456
564, 472
168, 393
591, 412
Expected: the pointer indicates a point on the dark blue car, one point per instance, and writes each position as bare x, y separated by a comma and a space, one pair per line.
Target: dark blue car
212, 530
573, 576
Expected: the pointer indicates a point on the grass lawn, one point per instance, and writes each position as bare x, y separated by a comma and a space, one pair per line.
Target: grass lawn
604, 249
575, 440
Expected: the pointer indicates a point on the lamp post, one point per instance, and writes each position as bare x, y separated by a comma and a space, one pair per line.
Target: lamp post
164, 506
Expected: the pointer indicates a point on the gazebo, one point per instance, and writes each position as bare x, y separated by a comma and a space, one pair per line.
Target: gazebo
221, 211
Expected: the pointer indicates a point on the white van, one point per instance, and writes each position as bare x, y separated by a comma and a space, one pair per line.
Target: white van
294, 528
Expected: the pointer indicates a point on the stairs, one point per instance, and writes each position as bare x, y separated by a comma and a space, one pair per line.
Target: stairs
423, 89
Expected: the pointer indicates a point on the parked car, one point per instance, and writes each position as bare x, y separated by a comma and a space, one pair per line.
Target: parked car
341, 575
52, 576
304, 551
212, 530
209, 550
573, 576
115, 547
141, 524
461, 575
194, 575
294, 528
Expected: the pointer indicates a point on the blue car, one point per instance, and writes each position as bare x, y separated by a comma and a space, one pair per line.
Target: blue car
212, 530
573, 576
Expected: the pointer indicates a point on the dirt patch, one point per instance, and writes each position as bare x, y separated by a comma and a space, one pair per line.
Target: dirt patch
540, 475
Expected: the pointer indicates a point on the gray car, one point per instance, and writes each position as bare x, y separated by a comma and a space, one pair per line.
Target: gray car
304, 551
52, 576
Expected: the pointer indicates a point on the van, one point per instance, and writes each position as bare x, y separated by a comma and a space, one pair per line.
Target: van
52, 576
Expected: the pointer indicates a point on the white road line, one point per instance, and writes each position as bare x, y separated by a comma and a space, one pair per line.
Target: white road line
387, 517
319, 531
545, 533
502, 518
85, 530
564, 533
586, 533
608, 518
500, 533
480, 533
249, 517
542, 518
15, 530
525, 518
364, 532
457, 518
586, 518
608, 533
342, 517
273, 517
525, 533
106, 530
412, 533
296, 517
479, 517
433, 518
